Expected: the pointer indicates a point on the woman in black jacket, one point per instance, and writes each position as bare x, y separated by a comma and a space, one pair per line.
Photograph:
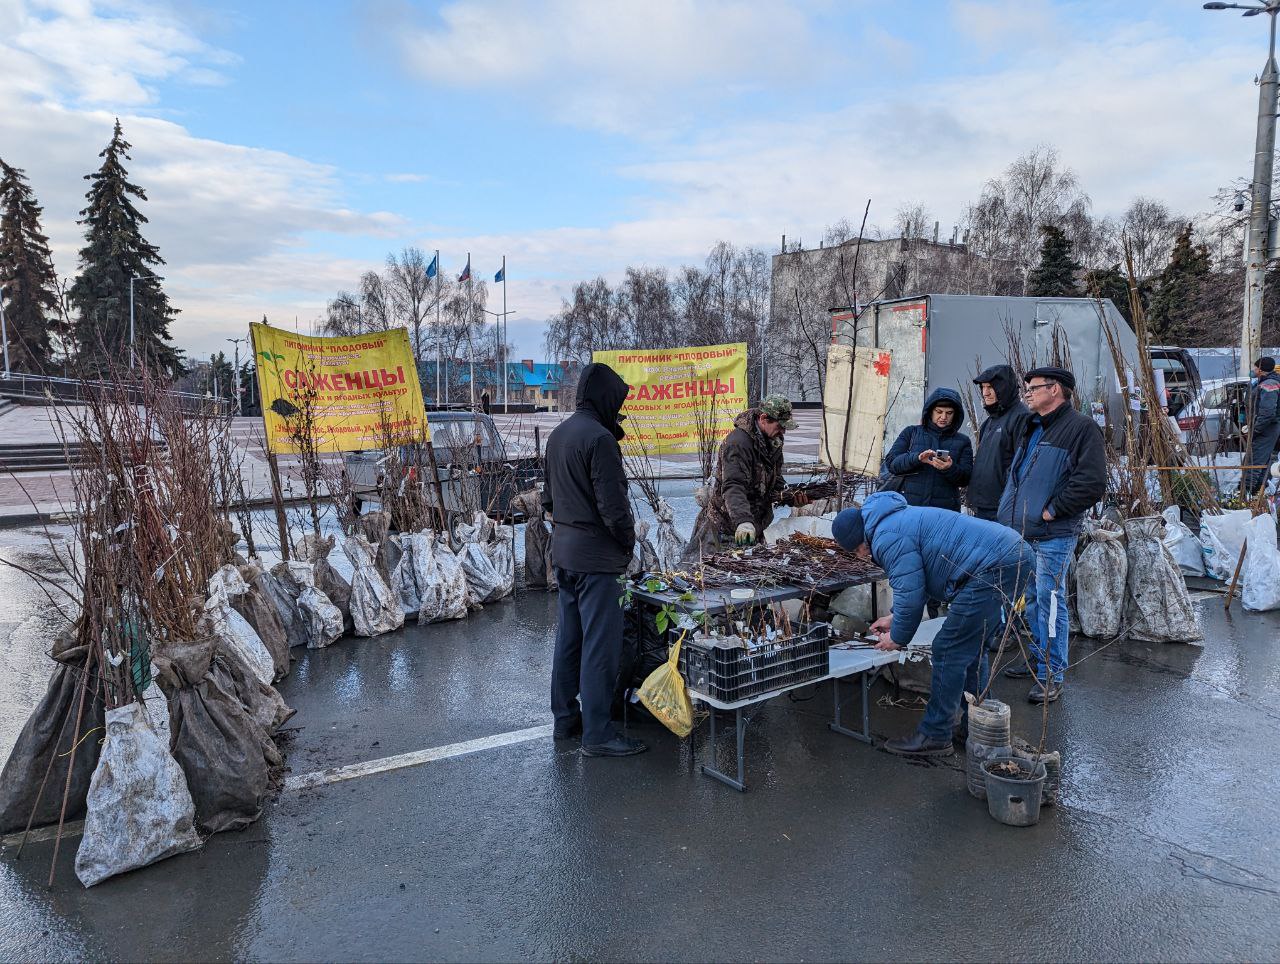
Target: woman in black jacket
931, 462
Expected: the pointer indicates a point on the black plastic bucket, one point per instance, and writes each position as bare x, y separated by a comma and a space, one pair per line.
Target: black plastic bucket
1015, 800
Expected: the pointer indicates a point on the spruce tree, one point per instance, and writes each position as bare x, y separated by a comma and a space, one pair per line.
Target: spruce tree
114, 252
1114, 284
30, 286
1177, 306
1054, 276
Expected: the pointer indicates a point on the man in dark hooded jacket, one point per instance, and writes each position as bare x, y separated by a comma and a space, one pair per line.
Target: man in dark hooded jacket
997, 439
930, 463
748, 481
592, 538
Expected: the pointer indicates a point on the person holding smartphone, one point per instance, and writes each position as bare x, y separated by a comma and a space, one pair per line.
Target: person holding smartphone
931, 462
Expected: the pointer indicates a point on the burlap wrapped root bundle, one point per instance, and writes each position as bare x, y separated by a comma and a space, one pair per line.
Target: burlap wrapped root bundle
315, 550
1158, 607
319, 622
539, 572
430, 580
35, 774
139, 808
375, 609
259, 606
487, 558
221, 718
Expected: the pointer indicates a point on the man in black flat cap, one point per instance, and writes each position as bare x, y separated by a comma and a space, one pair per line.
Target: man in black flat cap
1059, 471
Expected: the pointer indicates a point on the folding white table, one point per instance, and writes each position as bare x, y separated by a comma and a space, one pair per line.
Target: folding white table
841, 664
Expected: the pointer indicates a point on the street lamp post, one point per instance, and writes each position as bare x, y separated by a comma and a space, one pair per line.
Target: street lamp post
500, 348
1260, 212
236, 342
4, 333
131, 352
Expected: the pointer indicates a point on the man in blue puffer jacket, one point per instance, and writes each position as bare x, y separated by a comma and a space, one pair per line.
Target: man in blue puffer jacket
931, 462
1059, 471
981, 568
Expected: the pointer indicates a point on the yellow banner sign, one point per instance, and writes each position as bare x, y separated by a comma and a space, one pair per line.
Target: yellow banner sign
362, 390
679, 394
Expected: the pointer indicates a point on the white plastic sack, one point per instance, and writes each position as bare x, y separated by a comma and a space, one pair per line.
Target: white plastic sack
156, 707
1102, 570
322, 620
1260, 591
233, 630
404, 583
502, 553
671, 545
483, 581
822, 506
374, 608
1222, 537
279, 587
441, 581
228, 581
792, 524
139, 809
644, 558
1182, 543
1158, 607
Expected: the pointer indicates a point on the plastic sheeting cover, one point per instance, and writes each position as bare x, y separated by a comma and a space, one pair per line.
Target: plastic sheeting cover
1260, 591
375, 609
1158, 607
321, 619
1102, 572
139, 807
233, 630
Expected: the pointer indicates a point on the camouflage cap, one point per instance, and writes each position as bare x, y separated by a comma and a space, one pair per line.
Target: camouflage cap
778, 408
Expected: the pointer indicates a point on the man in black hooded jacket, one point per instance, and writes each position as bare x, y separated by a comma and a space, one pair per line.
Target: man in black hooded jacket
592, 538
997, 439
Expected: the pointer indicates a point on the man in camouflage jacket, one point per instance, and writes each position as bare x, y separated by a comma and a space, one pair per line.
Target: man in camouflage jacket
748, 481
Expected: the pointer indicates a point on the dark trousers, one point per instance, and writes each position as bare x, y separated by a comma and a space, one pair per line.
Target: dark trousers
588, 651
1264, 443
959, 650
988, 514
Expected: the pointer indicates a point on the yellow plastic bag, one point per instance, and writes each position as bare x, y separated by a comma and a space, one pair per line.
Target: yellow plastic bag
664, 695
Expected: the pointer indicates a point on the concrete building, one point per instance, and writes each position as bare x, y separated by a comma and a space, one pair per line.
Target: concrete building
808, 283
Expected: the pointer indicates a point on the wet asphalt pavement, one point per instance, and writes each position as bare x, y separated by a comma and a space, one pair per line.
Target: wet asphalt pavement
1164, 847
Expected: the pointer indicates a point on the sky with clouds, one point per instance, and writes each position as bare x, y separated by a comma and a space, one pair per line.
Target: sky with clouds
286, 147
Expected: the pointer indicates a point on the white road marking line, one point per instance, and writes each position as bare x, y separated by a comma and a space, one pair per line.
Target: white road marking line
308, 781
400, 761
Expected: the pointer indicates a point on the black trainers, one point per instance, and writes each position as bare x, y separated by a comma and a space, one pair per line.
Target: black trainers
1044, 692
568, 729
1019, 671
618, 746
917, 744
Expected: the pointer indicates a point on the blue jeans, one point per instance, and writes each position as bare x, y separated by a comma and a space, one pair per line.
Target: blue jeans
975, 615
1047, 612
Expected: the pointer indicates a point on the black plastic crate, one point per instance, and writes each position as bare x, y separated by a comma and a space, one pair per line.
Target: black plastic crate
730, 673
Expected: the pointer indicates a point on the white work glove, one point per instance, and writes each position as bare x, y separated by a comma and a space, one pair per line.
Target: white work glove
745, 535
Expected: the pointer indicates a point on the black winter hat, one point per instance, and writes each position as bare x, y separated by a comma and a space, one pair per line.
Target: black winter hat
1056, 374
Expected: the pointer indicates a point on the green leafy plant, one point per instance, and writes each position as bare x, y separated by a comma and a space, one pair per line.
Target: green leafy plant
665, 617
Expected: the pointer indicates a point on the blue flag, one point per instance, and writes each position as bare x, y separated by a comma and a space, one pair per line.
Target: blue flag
433, 267
466, 272
500, 275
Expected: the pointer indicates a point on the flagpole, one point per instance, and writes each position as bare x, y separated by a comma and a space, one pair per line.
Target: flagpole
503, 346
471, 347
439, 339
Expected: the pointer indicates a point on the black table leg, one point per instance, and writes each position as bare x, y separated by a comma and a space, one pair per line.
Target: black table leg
740, 735
837, 723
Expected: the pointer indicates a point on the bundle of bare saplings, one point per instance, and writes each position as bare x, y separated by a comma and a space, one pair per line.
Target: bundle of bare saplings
159, 719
